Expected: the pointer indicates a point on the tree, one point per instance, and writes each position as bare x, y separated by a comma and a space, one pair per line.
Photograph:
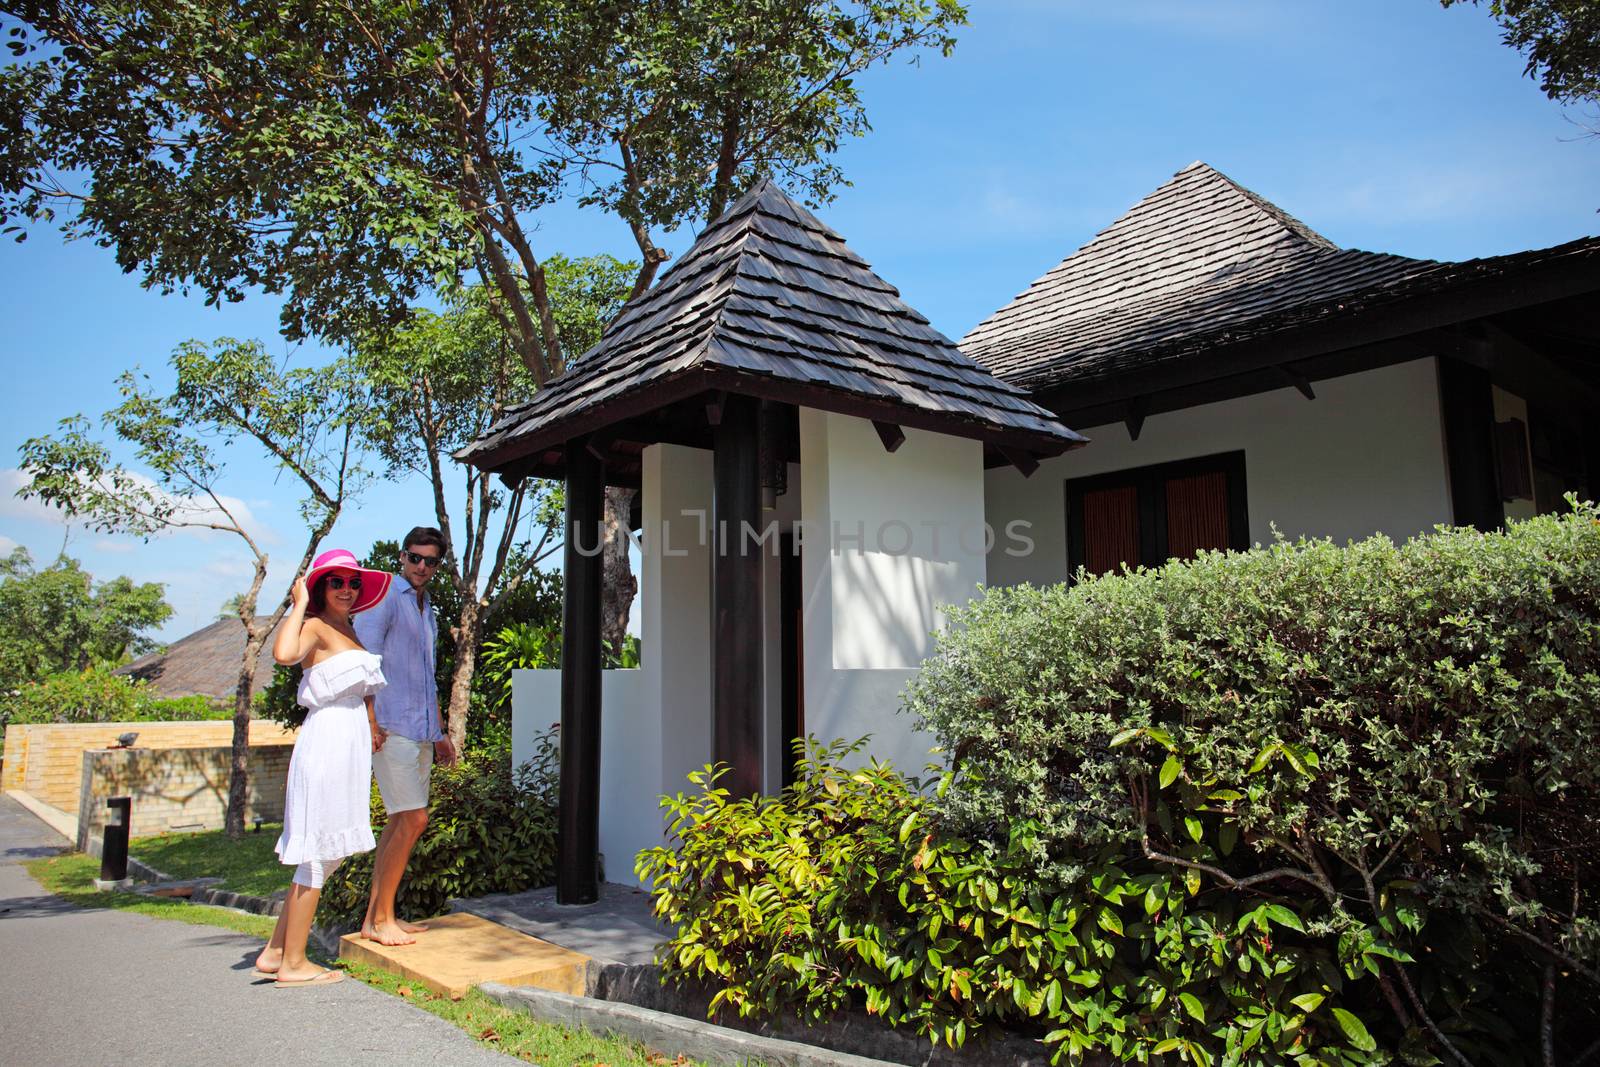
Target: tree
354, 157
1561, 40
230, 391
230, 607
59, 619
437, 383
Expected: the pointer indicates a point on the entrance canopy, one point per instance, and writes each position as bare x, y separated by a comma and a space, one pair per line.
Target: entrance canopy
772, 304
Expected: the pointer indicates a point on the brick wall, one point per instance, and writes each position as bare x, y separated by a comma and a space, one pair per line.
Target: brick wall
177, 788
46, 759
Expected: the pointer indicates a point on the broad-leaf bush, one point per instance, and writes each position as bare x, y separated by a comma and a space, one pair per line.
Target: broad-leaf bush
491, 829
1307, 804
98, 695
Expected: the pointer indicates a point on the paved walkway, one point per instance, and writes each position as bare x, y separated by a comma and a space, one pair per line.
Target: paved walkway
86, 986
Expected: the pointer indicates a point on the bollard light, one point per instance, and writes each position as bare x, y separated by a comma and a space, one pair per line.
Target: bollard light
114, 845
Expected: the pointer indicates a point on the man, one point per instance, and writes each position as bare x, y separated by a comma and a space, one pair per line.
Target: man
411, 733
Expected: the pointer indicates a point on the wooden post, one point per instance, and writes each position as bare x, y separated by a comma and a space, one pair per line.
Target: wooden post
578, 825
736, 603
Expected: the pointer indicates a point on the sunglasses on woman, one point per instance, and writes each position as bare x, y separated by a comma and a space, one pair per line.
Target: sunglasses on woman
336, 582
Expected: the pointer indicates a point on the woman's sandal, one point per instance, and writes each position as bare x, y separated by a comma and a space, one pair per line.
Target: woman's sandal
325, 978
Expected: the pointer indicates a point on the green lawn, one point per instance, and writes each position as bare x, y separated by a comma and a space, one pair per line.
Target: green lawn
72, 876
514, 1033
245, 866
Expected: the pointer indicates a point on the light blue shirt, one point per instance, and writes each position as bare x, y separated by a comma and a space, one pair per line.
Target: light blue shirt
406, 639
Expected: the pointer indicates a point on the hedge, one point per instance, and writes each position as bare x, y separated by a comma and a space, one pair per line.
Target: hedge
98, 695
1309, 804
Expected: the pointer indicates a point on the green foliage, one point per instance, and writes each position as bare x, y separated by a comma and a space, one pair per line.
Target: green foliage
97, 695
844, 893
1305, 804
1561, 39
58, 618
491, 829
326, 153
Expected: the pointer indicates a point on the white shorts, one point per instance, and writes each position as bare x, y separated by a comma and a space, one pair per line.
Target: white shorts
402, 767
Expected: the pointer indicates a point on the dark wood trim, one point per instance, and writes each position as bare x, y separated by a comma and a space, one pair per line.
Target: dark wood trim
1466, 402
578, 820
1150, 481
791, 658
737, 708
891, 435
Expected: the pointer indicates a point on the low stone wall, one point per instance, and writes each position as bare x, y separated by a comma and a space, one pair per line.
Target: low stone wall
45, 760
177, 788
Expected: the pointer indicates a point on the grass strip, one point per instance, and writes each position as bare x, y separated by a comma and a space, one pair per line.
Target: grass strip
71, 876
248, 865
516, 1033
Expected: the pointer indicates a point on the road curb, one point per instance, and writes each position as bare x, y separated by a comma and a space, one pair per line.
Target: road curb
671, 1034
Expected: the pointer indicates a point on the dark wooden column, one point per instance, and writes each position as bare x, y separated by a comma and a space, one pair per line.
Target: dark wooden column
737, 709
1467, 404
578, 828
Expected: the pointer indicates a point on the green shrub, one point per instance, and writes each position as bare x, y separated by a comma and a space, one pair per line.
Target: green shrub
491, 829
1307, 804
98, 695
844, 893
1396, 742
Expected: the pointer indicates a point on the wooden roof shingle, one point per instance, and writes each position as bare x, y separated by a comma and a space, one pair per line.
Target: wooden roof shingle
1200, 263
204, 663
770, 302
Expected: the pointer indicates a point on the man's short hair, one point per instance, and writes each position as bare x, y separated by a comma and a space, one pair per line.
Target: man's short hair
425, 535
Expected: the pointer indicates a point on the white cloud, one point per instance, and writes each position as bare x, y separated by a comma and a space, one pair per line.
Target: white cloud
7, 546
111, 544
193, 511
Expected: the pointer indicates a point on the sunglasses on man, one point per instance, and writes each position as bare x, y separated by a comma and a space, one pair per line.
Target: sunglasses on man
420, 560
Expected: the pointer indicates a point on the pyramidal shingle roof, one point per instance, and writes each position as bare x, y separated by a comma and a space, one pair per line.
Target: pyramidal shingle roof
1196, 254
1200, 263
770, 302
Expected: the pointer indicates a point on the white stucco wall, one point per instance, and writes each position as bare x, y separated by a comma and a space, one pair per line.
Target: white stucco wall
1366, 456
884, 555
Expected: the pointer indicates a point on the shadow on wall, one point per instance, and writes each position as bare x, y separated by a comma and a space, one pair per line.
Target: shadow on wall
178, 788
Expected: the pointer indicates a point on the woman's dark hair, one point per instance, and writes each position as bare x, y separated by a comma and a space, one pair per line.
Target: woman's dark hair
425, 535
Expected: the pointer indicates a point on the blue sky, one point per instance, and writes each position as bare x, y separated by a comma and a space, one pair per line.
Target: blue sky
1390, 125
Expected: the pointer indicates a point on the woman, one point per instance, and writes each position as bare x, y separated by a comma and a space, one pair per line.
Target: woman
325, 807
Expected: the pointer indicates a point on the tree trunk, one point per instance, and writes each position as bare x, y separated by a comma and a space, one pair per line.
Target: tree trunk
239, 770
617, 583
467, 633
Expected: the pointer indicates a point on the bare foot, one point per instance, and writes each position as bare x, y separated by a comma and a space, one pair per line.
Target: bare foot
392, 934
270, 960
412, 928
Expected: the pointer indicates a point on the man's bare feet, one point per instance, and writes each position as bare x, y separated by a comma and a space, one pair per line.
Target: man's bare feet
392, 934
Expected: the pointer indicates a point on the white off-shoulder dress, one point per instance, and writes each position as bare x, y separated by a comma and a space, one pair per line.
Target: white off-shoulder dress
326, 813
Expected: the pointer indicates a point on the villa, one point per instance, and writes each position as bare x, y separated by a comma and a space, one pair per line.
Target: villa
822, 473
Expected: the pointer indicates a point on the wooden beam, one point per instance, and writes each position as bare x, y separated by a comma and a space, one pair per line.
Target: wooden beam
578, 818
890, 434
1297, 380
1134, 420
1025, 462
715, 407
736, 598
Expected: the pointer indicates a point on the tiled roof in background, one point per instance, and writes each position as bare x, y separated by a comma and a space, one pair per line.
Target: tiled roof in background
1199, 263
205, 663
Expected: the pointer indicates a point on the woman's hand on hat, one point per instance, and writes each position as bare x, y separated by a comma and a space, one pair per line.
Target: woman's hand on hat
300, 593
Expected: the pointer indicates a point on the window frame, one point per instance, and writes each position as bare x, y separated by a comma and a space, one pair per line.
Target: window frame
1149, 483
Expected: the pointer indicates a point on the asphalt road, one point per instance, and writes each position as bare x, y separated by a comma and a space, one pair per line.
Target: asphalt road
86, 986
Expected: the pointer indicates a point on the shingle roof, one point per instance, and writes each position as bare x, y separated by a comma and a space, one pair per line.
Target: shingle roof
205, 662
1199, 263
770, 301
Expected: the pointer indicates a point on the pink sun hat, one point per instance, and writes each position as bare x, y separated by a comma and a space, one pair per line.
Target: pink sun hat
374, 584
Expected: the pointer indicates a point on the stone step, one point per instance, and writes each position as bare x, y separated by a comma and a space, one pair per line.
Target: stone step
460, 951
